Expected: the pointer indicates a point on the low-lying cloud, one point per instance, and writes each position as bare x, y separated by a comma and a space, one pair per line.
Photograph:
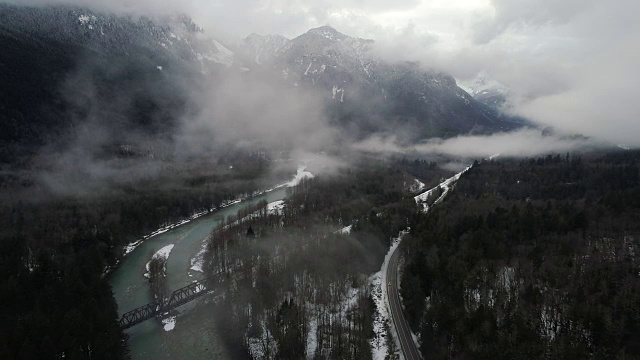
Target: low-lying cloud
193, 125
522, 143
569, 64
241, 108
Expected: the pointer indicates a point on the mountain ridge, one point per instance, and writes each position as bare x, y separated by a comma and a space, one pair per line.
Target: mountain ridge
346, 69
153, 60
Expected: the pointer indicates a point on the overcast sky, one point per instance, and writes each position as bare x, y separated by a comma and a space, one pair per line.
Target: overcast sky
572, 64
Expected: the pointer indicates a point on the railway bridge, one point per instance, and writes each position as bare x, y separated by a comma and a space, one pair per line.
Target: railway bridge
178, 298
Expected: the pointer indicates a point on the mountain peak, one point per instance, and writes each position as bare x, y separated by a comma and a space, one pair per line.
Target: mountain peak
263, 48
328, 32
268, 37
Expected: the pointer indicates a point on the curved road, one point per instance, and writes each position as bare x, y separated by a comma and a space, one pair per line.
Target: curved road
407, 345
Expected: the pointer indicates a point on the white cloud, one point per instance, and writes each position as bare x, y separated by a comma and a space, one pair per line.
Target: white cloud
523, 143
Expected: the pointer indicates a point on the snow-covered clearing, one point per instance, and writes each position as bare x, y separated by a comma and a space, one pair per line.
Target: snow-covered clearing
417, 186
198, 260
445, 186
160, 254
346, 230
257, 345
275, 207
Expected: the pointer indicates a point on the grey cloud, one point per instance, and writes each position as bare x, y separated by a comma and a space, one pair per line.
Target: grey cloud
241, 108
523, 143
524, 13
570, 64
231, 20
602, 101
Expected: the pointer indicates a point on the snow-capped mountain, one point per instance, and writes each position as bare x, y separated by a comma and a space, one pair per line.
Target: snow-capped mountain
63, 67
169, 38
488, 91
377, 95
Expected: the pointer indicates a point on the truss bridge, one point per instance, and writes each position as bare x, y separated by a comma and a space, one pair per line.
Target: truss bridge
178, 298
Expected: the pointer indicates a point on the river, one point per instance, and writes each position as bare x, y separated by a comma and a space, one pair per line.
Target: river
194, 335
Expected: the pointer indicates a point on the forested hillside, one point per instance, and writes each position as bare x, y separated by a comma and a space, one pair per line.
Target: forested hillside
530, 259
298, 274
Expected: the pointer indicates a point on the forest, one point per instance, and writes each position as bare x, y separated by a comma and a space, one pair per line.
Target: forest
530, 259
297, 282
55, 251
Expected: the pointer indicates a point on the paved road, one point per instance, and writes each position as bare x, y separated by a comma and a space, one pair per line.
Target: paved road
403, 331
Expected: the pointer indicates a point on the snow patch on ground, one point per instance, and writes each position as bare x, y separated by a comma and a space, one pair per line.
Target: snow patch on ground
275, 207
256, 344
169, 323
160, 254
198, 260
312, 337
417, 186
132, 246
84, 19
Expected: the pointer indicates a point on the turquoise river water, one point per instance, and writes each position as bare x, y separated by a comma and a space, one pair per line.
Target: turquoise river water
195, 335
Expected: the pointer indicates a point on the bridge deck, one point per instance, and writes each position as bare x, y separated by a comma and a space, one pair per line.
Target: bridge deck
178, 298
